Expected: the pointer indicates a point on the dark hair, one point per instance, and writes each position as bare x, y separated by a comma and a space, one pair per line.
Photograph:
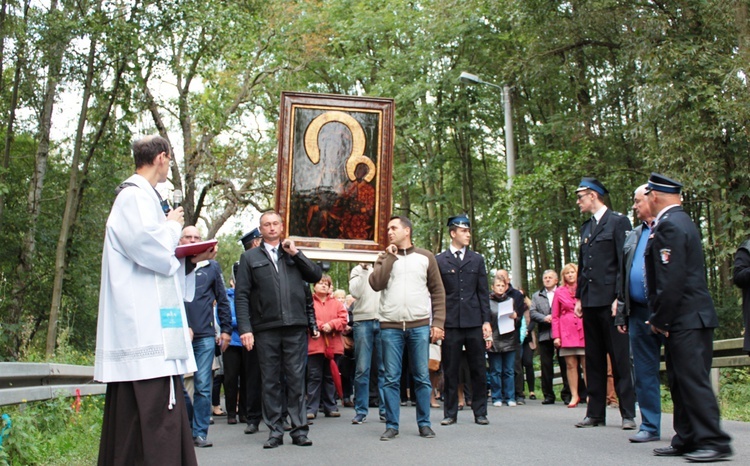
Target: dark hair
405, 222
147, 148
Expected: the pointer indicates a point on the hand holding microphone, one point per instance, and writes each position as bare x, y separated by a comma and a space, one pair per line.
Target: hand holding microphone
176, 198
177, 213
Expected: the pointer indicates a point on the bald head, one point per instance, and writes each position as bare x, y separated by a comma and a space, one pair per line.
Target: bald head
190, 234
641, 205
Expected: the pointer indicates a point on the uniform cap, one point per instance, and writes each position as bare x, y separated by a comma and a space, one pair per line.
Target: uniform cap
661, 183
247, 238
592, 184
461, 221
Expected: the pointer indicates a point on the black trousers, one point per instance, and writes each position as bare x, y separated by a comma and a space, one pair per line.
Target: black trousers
602, 338
546, 359
455, 340
524, 366
282, 353
241, 365
696, 413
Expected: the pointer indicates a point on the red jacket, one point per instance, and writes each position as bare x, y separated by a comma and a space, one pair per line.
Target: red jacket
565, 324
330, 312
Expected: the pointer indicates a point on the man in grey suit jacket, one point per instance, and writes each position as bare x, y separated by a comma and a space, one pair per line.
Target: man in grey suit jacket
467, 320
541, 313
632, 314
599, 269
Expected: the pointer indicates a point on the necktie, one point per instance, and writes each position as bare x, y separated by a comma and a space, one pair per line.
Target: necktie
275, 257
458, 255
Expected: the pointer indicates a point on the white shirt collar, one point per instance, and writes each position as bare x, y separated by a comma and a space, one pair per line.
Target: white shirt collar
453, 250
600, 213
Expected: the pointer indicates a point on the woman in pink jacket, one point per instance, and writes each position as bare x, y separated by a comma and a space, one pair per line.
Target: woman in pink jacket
332, 318
567, 330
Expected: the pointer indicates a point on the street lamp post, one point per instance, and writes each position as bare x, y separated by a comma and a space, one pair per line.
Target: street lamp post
510, 162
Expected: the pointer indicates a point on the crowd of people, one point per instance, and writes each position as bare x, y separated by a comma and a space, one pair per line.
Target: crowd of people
291, 353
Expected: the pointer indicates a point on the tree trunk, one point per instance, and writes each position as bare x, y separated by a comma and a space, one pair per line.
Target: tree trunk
34, 202
71, 207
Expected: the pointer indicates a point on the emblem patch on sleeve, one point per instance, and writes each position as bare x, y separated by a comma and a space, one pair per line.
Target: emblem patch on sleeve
664, 254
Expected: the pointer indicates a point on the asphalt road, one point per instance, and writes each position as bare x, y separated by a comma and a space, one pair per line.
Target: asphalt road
533, 434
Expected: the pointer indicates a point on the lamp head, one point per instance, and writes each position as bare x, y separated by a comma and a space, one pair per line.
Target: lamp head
468, 78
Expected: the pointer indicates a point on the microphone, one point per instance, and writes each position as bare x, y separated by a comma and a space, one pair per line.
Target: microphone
176, 198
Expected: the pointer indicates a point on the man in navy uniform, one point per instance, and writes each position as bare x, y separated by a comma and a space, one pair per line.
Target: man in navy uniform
632, 314
682, 310
467, 320
599, 269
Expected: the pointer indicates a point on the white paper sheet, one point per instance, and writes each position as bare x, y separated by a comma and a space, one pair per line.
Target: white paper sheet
504, 323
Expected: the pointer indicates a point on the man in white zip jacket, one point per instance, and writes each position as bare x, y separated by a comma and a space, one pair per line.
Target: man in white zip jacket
142, 342
412, 312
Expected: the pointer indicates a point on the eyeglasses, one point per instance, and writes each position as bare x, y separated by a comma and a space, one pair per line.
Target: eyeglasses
579, 196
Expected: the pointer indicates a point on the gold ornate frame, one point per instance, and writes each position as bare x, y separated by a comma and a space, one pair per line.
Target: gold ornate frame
334, 174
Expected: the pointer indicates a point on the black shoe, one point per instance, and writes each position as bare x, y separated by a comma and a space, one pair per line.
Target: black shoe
448, 421
591, 422
211, 420
273, 442
628, 424
426, 432
232, 420
548, 401
251, 429
202, 442
706, 456
566, 400
389, 434
668, 451
302, 441
482, 420
532, 397
243, 419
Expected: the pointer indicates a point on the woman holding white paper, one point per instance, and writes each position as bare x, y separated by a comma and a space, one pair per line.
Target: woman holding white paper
505, 319
567, 330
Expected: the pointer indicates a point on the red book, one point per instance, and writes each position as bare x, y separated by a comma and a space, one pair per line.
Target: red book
192, 249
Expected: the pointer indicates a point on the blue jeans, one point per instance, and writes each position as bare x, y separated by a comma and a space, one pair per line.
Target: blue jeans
367, 342
203, 349
502, 376
646, 348
418, 342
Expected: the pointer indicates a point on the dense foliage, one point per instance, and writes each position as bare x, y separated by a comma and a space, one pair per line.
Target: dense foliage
607, 88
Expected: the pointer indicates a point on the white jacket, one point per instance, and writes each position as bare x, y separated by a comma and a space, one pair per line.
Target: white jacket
139, 248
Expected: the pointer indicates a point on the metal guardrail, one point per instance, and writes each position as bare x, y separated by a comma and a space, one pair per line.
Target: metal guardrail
24, 381
21, 382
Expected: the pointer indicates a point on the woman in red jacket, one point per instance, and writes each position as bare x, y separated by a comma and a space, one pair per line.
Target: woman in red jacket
332, 318
567, 330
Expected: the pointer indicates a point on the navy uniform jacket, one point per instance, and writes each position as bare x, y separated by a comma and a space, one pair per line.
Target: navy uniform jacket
742, 280
466, 291
600, 259
678, 295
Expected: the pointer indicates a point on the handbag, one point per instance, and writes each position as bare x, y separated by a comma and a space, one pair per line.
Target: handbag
435, 357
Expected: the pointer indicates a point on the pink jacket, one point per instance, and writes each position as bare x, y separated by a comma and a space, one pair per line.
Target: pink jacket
565, 324
329, 312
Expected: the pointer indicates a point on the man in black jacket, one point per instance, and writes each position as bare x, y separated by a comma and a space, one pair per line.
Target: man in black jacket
467, 320
599, 269
682, 310
274, 314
